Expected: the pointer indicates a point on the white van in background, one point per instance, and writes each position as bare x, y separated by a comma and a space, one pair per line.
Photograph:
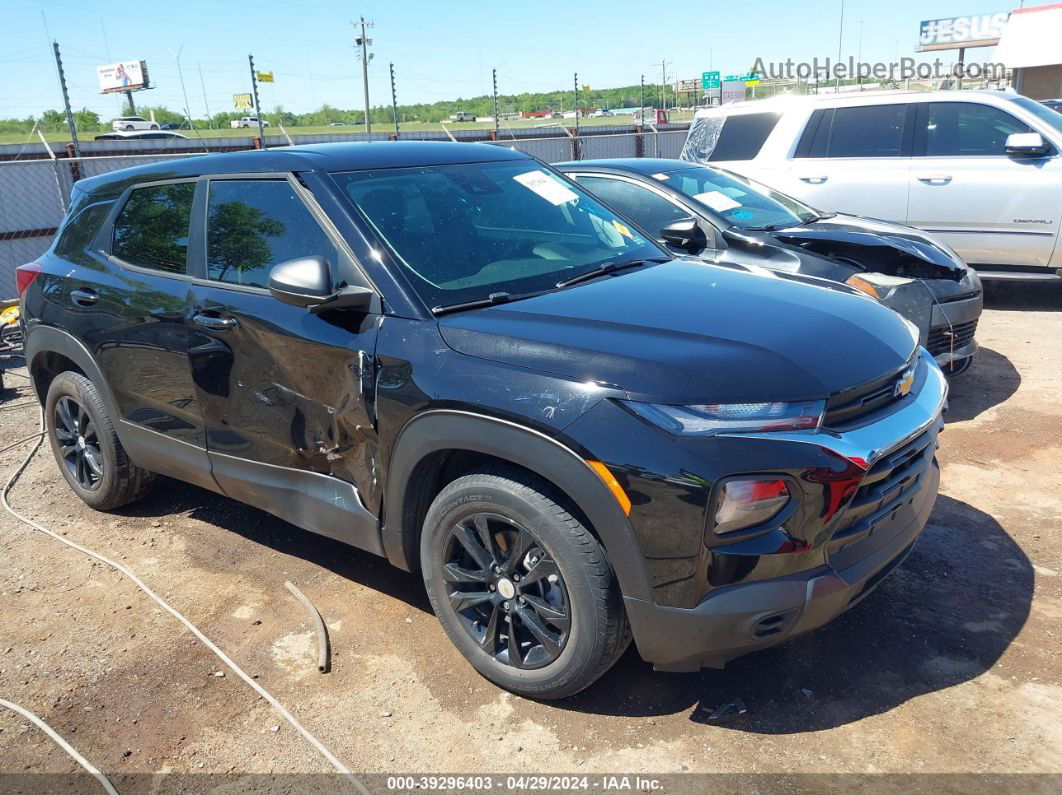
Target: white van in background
980, 170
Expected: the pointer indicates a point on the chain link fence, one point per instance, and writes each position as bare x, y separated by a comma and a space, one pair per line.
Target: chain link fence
36, 182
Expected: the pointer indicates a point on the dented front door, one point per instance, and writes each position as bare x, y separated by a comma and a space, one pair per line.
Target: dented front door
287, 396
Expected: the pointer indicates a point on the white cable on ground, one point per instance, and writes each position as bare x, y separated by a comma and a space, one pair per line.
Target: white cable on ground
44, 727
339, 766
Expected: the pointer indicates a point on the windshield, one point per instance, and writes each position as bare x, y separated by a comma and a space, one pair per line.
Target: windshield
742, 202
1045, 114
464, 232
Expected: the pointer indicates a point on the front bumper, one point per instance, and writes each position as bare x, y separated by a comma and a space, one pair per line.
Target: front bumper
735, 619
946, 314
744, 618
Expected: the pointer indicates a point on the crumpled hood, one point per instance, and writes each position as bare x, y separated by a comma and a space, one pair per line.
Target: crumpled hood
867, 232
688, 332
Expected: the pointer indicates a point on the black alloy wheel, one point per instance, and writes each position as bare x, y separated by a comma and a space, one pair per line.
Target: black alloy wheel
79, 444
506, 590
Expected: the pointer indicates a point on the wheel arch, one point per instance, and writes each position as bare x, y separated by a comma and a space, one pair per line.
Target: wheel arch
50, 351
418, 463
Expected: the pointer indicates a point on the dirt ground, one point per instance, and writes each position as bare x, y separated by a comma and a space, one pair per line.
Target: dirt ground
953, 665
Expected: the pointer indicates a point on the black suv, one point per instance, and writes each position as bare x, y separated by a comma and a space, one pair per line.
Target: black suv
454, 357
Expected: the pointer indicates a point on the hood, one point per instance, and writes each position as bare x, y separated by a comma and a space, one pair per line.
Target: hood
690, 332
878, 246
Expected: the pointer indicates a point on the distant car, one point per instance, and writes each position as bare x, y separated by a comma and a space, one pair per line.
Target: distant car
1053, 104
137, 136
602, 112
462, 115
716, 215
130, 123
337, 124
556, 115
246, 122
175, 125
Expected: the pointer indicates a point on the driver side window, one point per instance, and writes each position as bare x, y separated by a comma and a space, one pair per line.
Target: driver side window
968, 129
649, 210
253, 225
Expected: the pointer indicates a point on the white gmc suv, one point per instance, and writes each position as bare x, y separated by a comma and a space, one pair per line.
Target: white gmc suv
981, 170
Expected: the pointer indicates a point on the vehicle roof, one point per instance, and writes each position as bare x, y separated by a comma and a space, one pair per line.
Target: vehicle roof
636, 165
351, 156
782, 101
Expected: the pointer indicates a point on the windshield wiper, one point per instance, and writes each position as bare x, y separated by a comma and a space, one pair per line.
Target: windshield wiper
490, 300
815, 218
604, 268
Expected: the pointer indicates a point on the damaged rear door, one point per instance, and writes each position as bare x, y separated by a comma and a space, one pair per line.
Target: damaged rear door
286, 395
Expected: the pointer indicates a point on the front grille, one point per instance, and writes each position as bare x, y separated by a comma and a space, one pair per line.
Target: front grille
855, 403
945, 339
890, 483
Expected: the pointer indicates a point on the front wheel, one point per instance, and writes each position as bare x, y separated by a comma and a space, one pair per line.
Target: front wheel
520, 586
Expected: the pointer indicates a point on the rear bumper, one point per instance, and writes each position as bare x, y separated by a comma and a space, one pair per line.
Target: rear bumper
744, 618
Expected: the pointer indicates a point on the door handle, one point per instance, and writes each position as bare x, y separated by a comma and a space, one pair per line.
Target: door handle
814, 180
214, 323
935, 179
84, 296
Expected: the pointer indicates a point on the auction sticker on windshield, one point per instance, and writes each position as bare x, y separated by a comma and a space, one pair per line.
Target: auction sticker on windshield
719, 202
547, 187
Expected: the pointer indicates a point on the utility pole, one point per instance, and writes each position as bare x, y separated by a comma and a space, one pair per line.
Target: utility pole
257, 109
66, 101
202, 85
575, 99
663, 85
494, 77
394, 98
840, 36
641, 102
859, 56
363, 41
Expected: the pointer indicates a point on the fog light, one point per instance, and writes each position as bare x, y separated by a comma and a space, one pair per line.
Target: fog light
747, 503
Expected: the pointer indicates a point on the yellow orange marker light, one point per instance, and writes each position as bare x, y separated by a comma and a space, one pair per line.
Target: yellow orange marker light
613, 485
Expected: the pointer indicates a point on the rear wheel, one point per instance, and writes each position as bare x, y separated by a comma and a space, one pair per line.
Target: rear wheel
154, 126
520, 586
87, 449
129, 128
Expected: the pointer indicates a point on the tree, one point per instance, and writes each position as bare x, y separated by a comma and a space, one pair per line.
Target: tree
237, 237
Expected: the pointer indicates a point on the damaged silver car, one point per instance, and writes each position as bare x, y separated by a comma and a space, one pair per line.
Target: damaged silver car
724, 217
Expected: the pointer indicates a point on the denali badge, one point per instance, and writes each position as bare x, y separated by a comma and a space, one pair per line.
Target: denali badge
903, 386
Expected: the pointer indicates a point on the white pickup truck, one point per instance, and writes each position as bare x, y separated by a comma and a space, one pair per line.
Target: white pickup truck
247, 121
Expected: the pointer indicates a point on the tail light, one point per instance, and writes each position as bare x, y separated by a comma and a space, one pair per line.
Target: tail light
24, 276
745, 503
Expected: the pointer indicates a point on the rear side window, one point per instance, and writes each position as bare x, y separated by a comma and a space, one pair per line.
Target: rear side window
864, 131
151, 231
967, 129
253, 225
743, 136
80, 230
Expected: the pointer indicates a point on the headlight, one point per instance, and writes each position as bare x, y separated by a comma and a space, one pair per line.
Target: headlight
710, 419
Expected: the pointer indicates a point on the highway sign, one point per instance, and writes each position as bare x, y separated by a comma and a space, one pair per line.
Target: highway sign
709, 80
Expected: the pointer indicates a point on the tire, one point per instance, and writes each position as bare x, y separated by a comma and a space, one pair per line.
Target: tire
557, 595
129, 128
154, 126
87, 449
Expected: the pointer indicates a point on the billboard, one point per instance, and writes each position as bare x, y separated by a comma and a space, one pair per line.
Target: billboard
241, 101
980, 30
124, 76
732, 91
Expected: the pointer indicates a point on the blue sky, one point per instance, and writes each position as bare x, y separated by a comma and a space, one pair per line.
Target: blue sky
441, 50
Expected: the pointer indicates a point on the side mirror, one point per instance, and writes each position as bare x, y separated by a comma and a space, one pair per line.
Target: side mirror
685, 234
307, 282
1027, 145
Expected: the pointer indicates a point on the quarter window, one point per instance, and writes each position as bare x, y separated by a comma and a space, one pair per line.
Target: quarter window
743, 136
253, 225
649, 210
151, 231
967, 129
866, 131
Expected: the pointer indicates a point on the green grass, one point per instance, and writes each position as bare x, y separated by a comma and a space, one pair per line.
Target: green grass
273, 132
